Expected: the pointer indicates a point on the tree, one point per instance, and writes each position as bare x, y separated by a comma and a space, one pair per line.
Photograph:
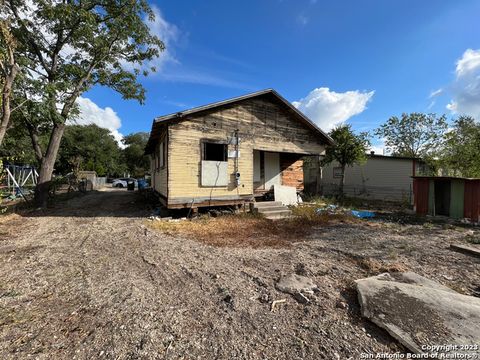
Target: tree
349, 149
9, 70
413, 135
89, 147
73, 46
137, 162
460, 153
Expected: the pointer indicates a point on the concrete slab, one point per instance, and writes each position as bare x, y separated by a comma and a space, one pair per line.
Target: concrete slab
471, 250
419, 312
286, 194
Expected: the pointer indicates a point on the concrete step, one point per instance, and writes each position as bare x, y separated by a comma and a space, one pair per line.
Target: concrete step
277, 214
263, 204
270, 208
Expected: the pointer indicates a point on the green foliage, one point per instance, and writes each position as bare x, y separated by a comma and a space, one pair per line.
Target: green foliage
460, 154
72, 46
17, 145
89, 148
77, 44
413, 135
137, 163
349, 148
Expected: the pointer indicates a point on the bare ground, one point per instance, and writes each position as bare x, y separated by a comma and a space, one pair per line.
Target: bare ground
90, 279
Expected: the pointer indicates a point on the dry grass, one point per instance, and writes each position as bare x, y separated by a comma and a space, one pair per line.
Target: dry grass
375, 267
248, 230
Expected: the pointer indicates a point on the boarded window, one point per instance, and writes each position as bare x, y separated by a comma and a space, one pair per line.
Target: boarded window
214, 151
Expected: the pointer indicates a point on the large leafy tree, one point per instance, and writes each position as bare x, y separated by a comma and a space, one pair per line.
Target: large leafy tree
134, 153
349, 149
461, 151
72, 46
413, 135
89, 147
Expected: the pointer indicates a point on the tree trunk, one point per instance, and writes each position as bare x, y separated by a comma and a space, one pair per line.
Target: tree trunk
46, 168
342, 184
6, 97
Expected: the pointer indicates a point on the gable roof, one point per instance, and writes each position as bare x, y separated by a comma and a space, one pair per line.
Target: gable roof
182, 115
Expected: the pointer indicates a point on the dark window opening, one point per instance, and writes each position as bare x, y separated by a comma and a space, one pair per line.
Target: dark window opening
214, 151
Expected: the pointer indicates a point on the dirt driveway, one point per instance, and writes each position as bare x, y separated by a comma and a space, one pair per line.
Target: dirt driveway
90, 279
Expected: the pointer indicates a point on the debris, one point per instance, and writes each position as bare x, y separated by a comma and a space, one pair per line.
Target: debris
158, 218
330, 209
419, 312
264, 298
363, 214
341, 304
227, 297
276, 302
302, 299
298, 286
293, 284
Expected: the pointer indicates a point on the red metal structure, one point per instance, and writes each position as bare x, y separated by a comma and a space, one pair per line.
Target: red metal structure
420, 191
471, 204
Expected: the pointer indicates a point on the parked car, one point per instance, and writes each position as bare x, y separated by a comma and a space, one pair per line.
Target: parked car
123, 182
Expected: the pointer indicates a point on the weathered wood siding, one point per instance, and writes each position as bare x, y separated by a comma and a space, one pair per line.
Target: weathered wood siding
291, 166
160, 174
262, 125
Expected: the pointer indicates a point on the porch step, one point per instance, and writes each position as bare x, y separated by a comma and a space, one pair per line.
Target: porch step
264, 209
276, 214
272, 209
266, 204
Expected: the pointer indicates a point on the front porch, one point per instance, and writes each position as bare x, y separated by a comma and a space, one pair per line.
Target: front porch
276, 168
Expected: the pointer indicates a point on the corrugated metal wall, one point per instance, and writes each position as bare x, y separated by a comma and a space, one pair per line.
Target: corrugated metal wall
472, 200
457, 198
421, 198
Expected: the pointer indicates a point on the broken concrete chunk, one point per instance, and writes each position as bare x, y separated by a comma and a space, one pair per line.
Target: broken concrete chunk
294, 284
419, 312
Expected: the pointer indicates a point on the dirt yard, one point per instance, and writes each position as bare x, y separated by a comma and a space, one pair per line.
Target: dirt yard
91, 279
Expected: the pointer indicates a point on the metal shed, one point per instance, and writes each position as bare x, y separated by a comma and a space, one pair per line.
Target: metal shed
454, 197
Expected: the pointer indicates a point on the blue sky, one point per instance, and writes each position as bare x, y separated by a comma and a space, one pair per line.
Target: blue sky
356, 61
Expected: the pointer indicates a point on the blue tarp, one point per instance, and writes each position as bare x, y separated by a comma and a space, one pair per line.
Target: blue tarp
363, 214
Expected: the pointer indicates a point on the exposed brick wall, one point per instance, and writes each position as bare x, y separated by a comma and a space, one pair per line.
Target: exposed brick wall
291, 166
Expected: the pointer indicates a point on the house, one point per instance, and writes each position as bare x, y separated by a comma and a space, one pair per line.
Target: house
381, 177
454, 197
229, 152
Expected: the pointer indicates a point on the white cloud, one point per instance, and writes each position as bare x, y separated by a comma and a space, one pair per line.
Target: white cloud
329, 108
168, 33
466, 87
470, 62
91, 113
436, 93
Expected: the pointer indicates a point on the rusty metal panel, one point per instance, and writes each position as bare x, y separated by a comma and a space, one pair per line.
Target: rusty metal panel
420, 193
472, 200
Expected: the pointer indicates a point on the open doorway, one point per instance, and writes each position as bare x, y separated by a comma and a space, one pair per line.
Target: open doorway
266, 170
442, 197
